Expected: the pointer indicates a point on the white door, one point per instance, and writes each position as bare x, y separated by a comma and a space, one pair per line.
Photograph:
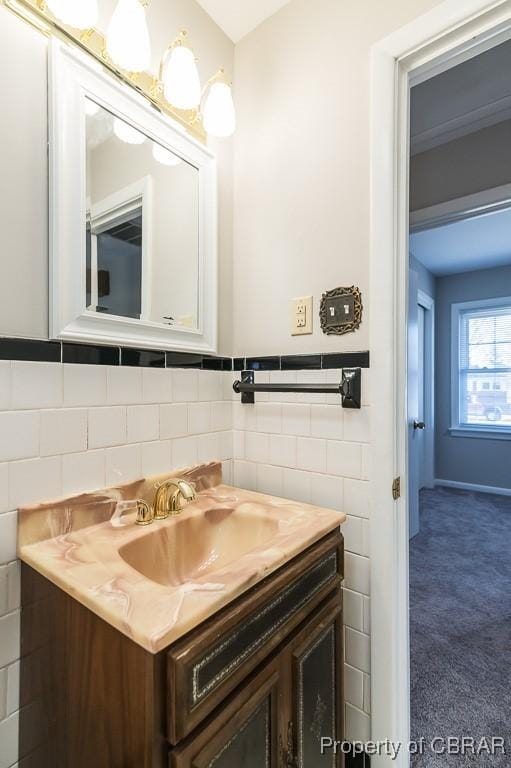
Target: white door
413, 407
419, 433
421, 427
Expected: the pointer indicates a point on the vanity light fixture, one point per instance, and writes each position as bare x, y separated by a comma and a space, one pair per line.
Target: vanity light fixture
127, 37
165, 156
179, 76
80, 14
126, 51
127, 133
219, 115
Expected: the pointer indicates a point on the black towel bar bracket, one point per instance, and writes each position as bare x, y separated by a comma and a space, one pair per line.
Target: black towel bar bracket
349, 389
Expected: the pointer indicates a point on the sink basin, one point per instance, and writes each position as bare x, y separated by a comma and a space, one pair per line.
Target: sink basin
155, 584
189, 548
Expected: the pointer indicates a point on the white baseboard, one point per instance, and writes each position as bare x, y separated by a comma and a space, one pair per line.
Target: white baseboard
473, 487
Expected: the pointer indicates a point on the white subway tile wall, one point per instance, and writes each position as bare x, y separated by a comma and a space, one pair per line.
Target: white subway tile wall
307, 448
156, 386
63, 431
66, 429
123, 463
123, 385
143, 423
84, 385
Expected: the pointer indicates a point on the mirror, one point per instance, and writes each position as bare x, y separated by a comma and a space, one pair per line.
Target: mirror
142, 218
133, 253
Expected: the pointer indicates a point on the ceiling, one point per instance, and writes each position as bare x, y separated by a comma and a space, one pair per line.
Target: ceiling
239, 17
480, 242
466, 98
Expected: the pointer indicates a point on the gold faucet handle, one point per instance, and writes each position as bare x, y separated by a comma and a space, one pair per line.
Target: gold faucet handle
145, 514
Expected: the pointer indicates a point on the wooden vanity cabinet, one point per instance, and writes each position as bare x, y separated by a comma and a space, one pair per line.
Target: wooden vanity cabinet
255, 686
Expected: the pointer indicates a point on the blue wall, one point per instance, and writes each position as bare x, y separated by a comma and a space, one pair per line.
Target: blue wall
427, 281
480, 461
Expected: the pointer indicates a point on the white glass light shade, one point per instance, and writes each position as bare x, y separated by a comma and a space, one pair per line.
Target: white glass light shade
127, 133
91, 108
127, 37
81, 14
181, 83
165, 156
219, 112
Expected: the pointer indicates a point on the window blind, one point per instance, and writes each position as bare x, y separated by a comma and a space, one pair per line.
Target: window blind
485, 367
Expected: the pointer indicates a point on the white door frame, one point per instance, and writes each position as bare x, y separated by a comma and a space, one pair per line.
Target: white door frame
448, 34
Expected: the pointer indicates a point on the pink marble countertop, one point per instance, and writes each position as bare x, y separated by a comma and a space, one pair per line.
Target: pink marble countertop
156, 583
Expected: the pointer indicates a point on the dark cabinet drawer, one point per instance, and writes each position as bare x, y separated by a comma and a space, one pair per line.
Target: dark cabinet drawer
210, 663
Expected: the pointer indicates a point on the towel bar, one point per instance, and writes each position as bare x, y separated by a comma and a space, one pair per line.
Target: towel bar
349, 389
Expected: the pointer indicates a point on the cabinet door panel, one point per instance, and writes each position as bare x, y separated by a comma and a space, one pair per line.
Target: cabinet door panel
244, 733
317, 657
249, 747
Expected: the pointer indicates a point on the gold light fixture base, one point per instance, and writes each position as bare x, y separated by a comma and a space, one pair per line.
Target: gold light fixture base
94, 43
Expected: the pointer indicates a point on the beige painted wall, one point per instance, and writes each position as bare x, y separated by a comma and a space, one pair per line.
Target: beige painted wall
23, 181
302, 165
23, 174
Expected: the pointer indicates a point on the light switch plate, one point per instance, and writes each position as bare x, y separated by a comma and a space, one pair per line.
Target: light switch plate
301, 316
341, 310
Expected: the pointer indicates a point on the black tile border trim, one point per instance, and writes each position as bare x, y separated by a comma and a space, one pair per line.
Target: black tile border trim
32, 350
300, 362
184, 360
217, 364
36, 350
317, 362
345, 360
263, 363
89, 354
145, 358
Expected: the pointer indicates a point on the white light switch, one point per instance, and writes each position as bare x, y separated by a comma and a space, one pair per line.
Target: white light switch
301, 316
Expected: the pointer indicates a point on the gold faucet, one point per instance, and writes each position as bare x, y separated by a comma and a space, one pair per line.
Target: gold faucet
167, 502
144, 512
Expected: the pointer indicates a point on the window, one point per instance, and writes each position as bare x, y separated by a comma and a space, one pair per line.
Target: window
482, 365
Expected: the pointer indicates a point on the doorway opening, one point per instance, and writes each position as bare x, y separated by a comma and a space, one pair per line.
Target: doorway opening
448, 35
459, 407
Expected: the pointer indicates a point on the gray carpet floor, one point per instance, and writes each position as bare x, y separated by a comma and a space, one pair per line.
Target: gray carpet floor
460, 623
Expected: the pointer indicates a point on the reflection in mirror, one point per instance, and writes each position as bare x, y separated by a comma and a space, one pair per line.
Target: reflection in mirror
142, 224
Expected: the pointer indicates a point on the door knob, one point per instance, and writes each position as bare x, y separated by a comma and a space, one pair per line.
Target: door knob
419, 425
